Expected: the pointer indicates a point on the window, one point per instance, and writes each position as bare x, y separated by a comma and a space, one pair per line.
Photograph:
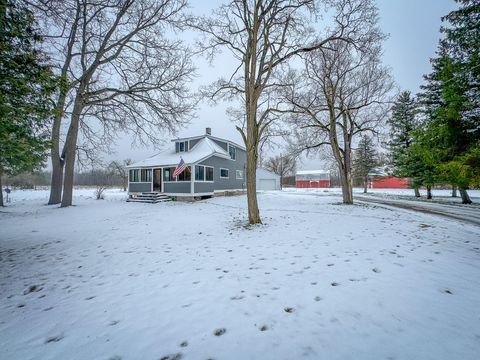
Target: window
199, 173
133, 175
183, 146
168, 174
203, 173
232, 151
223, 173
185, 175
239, 174
146, 175
208, 173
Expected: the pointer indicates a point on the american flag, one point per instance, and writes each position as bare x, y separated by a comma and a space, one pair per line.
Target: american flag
180, 167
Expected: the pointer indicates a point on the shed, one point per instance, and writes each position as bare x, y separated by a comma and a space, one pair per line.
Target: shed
267, 180
312, 179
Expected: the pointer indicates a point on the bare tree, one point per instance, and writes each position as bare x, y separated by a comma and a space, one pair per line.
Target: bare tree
263, 36
343, 91
119, 169
119, 70
281, 165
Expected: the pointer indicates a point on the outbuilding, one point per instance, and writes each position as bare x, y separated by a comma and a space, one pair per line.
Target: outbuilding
267, 180
312, 179
380, 178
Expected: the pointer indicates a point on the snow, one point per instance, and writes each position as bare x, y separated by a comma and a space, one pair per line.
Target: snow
106, 279
202, 150
312, 172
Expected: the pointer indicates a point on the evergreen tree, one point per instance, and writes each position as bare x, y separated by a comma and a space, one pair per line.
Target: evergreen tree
26, 84
366, 159
451, 99
403, 124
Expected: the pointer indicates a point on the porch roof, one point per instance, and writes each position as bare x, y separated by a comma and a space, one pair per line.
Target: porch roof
201, 151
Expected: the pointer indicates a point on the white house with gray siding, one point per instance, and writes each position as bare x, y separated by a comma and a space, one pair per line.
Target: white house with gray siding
213, 165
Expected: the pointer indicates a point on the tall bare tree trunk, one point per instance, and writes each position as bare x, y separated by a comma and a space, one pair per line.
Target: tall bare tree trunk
253, 211
70, 152
346, 180
454, 190
1, 191
365, 184
252, 159
429, 191
417, 191
58, 160
465, 197
57, 179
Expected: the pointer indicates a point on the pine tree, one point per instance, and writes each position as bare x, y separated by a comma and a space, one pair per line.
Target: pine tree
403, 125
366, 159
450, 98
26, 84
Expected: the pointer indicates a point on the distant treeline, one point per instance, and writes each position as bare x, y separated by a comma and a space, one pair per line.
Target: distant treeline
95, 177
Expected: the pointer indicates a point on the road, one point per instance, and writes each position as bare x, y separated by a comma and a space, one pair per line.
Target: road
466, 213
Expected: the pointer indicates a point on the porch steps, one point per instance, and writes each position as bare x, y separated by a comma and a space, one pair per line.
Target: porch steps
149, 197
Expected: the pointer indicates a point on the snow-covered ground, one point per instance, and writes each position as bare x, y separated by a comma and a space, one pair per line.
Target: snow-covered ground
320, 280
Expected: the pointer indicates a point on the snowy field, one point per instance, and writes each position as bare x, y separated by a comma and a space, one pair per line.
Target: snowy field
107, 279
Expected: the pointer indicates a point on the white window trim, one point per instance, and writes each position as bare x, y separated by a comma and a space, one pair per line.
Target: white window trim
205, 174
220, 173
236, 175
138, 177
228, 150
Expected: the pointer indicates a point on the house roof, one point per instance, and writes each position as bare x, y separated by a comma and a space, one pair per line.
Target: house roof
265, 173
210, 137
312, 172
201, 151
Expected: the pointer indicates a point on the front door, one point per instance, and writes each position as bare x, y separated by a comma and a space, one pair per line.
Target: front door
157, 180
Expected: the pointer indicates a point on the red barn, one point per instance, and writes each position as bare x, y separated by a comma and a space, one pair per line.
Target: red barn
312, 179
385, 182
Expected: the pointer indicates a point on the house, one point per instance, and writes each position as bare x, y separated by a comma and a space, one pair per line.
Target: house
267, 180
312, 179
212, 165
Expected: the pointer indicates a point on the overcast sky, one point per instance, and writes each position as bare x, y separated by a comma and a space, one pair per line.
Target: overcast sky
413, 27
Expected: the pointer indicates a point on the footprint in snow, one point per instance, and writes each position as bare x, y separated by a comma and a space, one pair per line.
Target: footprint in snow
289, 310
184, 344
317, 298
32, 288
448, 291
334, 284
176, 356
56, 338
376, 270
263, 328
219, 332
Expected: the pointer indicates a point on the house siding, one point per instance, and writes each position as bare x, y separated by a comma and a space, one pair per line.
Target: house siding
193, 142
139, 187
204, 187
177, 187
232, 166
222, 144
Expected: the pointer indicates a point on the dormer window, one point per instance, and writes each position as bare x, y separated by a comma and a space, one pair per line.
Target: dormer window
182, 146
232, 151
